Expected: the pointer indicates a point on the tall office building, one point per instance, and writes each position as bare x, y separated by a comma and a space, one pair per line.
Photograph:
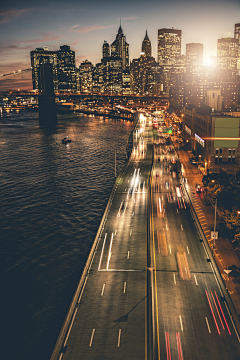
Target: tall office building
120, 48
144, 76
105, 49
42, 56
169, 46
146, 46
237, 33
237, 36
85, 75
194, 58
66, 70
227, 54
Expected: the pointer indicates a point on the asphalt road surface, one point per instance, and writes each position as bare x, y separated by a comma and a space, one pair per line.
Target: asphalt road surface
192, 320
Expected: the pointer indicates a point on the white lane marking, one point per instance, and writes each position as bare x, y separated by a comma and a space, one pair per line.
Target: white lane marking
161, 186
109, 252
170, 250
177, 210
166, 227
130, 232
208, 325
188, 250
181, 227
174, 277
133, 213
124, 287
128, 255
100, 261
103, 289
92, 337
181, 322
115, 232
195, 280
119, 336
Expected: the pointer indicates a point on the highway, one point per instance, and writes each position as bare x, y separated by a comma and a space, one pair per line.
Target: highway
151, 292
110, 318
191, 317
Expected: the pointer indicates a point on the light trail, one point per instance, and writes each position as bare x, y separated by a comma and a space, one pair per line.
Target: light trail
180, 318
214, 318
168, 345
174, 279
124, 287
217, 309
208, 325
222, 313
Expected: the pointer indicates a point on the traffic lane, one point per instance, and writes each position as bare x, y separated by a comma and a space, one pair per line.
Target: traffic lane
183, 229
103, 312
129, 245
184, 309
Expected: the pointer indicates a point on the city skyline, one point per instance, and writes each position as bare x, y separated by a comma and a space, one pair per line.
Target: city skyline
84, 27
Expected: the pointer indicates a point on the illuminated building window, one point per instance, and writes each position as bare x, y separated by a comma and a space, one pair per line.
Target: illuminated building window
220, 158
233, 151
229, 159
229, 151
233, 158
217, 151
216, 158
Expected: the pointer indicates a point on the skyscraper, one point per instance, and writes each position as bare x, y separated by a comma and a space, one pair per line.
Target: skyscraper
85, 75
146, 46
237, 33
105, 50
120, 48
66, 70
194, 58
169, 46
227, 54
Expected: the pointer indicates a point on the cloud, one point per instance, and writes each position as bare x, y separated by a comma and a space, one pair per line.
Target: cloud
27, 44
89, 28
7, 16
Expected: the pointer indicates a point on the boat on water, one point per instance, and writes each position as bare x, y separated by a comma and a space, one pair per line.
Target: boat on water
66, 140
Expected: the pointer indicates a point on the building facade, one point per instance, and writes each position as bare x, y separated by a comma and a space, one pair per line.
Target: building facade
227, 54
194, 58
120, 48
66, 69
214, 138
169, 46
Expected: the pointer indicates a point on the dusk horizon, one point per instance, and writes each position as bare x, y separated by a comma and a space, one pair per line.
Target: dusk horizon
84, 28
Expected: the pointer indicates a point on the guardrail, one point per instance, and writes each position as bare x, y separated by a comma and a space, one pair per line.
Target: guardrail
224, 293
60, 346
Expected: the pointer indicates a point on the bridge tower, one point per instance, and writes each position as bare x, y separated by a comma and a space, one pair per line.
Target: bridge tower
47, 107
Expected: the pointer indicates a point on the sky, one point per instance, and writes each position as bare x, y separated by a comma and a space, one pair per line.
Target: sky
84, 25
